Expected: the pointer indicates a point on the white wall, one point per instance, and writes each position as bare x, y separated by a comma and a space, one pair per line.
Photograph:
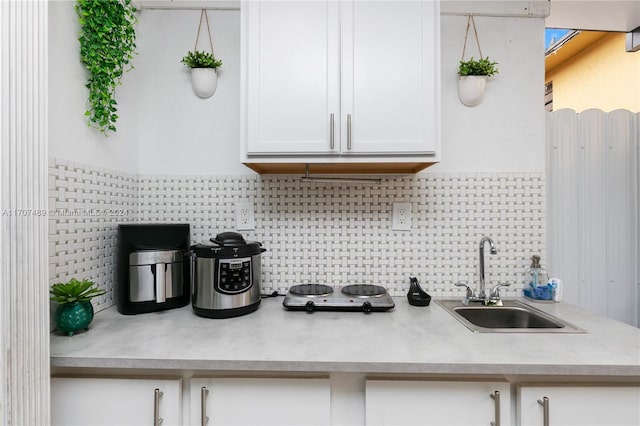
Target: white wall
506, 131
180, 133
166, 129
69, 136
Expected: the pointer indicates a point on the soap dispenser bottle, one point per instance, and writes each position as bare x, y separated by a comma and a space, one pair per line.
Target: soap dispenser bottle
535, 281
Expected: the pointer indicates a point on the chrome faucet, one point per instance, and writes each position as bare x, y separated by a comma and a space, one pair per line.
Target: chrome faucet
482, 294
494, 297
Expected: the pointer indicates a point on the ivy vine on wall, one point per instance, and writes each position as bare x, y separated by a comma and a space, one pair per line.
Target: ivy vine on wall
107, 46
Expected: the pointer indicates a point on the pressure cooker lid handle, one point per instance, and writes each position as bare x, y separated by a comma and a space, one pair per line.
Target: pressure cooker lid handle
230, 239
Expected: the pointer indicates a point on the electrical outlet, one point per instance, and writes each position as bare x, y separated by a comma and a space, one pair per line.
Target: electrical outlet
244, 217
401, 218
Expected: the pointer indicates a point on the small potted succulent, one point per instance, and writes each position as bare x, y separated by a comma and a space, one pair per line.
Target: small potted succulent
74, 311
204, 76
472, 80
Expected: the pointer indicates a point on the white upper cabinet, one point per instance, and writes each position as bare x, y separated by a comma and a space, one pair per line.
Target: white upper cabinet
340, 81
388, 77
292, 76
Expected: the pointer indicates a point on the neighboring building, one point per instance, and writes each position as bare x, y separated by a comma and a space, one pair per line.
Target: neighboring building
592, 69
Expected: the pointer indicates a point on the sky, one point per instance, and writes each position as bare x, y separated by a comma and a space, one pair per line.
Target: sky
551, 34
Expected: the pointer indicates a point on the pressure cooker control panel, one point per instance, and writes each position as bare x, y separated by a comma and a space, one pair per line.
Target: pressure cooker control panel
234, 275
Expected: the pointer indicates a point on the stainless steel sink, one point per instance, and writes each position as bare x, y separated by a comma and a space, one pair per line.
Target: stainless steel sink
512, 317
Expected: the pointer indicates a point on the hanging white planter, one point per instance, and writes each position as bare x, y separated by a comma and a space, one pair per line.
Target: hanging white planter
204, 77
204, 81
473, 74
471, 89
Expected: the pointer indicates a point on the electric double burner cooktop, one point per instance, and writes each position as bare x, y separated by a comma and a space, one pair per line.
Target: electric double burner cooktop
355, 297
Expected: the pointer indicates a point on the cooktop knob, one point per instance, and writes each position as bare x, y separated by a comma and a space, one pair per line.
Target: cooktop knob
310, 306
366, 307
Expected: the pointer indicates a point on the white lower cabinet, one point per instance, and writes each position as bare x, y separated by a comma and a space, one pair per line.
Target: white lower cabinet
437, 403
117, 402
578, 405
241, 401
260, 401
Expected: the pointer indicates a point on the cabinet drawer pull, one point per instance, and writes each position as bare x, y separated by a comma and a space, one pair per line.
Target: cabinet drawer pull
331, 131
203, 406
545, 410
496, 399
349, 132
157, 393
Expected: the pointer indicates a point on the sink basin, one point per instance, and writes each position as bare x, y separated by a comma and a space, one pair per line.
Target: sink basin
513, 317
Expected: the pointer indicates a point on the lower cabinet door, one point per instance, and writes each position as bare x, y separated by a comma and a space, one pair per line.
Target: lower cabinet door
437, 403
107, 401
579, 405
260, 401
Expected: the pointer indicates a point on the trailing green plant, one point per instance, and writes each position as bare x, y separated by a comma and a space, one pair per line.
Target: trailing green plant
201, 59
107, 46
483, 66
74, 291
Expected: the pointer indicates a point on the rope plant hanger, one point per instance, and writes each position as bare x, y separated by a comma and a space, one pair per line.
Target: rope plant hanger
204, 77
471, 90
471, 21
204, 14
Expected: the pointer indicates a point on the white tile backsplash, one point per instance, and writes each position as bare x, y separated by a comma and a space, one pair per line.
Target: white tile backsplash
325, 233
85, 206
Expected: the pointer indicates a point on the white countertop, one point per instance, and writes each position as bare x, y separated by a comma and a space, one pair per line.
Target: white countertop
407, 339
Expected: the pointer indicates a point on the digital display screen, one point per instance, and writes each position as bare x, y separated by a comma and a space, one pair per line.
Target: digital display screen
235, 265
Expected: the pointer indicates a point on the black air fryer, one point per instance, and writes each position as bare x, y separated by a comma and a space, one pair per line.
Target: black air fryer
153, 267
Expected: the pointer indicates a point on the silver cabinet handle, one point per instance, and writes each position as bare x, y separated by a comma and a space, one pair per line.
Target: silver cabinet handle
496, 398
545, 410
203, 406
331, 131
157, 421
161, 284
349, 132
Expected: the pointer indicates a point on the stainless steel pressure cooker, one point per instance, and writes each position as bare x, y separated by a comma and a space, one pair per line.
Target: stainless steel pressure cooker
226, 276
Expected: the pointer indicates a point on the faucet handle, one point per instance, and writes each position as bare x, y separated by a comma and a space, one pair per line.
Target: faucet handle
495, 291
470, 294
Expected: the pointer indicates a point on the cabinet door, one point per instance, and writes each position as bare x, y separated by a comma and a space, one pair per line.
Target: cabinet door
580, 405
398, 403
390, 75
101, 401
277, 402
292, 76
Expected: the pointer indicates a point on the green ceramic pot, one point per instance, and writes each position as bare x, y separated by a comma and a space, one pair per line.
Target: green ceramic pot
72, 317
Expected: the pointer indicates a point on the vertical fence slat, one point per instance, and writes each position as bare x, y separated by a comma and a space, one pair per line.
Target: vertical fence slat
591, 209
619, 169
562, 203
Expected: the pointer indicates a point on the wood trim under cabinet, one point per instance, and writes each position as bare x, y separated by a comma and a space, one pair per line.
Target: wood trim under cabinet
338, 168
